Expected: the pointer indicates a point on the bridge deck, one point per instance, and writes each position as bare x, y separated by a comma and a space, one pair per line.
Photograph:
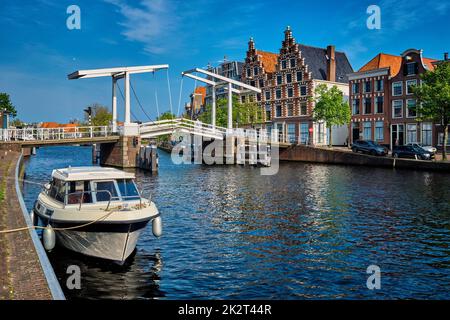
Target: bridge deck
40, 143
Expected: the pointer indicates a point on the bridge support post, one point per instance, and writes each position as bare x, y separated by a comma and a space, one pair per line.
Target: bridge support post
230, 106
122, 154
114, 105
213, 107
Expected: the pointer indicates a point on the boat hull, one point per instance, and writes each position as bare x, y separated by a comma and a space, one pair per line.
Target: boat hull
113, 242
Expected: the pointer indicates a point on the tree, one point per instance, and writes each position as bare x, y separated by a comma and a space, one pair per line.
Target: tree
17, 123
243, 113
166, 116
5, 104
100, 115
331, 108
433, 99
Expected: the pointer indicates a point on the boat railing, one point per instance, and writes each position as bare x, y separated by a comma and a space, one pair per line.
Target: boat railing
111, 197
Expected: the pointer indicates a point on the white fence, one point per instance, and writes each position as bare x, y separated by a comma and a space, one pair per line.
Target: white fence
44, 134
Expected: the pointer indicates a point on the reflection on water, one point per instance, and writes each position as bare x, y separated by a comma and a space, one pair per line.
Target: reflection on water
310, 231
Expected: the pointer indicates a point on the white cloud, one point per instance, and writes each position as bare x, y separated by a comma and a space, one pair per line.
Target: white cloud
149, 23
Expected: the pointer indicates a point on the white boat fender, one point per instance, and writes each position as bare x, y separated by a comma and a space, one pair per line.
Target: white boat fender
157, 227
49, 238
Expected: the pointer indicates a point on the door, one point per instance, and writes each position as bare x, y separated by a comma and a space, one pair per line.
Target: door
355, 134
398, 135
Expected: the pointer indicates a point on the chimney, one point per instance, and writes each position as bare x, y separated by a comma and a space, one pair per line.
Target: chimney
331, 63
446, 56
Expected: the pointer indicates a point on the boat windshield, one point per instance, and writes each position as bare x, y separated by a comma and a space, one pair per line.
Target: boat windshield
104, 190
128, 190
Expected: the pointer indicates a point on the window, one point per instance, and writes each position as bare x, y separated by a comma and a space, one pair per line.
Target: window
411, 108
409, 85
397, 88
367, 130
304, 132
411, 133
58, 190
411, 68
299, 76
268, 115
355, 88
103, 189
397, 108
279, 79
243, 99
128, 189
367, 86
252, 83
290, 92
379, 85
367, 105
278, 94
258, 97
79, 192
289, 78
291, 132
379, 131
267, 95
283, 64
441, 139
290, 110
303, 90
355, 106
320, 133
303, 109
255, 71
249, 72
427, 134
278, 110
261, 83
293, 63
379, 104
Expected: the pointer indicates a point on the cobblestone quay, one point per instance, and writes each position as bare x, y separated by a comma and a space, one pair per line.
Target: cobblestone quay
21, 274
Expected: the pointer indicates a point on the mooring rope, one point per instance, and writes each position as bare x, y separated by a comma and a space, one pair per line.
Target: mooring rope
58, 229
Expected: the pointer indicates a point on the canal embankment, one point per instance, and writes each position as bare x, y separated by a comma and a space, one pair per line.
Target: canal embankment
25, 271
333, 156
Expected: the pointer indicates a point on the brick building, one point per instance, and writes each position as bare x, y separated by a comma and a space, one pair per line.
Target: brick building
197, 103
383, 105
287, 80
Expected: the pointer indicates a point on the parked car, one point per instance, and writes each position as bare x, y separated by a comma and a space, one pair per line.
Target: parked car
370, 147
429, 149
412, 152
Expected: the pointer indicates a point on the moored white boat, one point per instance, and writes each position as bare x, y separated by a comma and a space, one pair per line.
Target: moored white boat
95, 211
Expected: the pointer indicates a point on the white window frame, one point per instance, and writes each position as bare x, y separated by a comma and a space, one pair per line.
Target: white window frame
393, 111
407, 108
408, 81
300, 108
393, 88
430, 124
381, 138
408, 125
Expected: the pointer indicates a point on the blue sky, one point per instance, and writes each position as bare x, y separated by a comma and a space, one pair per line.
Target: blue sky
38, 51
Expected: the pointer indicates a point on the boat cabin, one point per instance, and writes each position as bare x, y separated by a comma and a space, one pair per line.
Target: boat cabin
91, 185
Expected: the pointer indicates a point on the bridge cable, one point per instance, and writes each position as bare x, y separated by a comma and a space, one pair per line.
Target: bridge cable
139, 102
123, 98
170, 92
179, 100
157, 104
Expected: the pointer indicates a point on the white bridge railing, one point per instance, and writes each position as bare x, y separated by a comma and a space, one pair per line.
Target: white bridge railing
161, 127
45, 134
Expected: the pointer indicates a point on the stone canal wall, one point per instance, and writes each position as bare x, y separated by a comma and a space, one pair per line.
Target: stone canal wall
330, 156
25, 272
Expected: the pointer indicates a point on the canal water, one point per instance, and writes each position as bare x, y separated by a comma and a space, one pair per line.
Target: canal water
309, 232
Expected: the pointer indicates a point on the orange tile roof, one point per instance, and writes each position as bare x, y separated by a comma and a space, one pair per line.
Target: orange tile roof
48, 125
202, 91
383, 60
429, 63
269, 60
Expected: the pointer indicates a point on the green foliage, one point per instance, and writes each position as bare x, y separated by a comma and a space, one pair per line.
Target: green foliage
331, 107
243, 113
100, 115
17, 123
5, 104
166, 116
433, 97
